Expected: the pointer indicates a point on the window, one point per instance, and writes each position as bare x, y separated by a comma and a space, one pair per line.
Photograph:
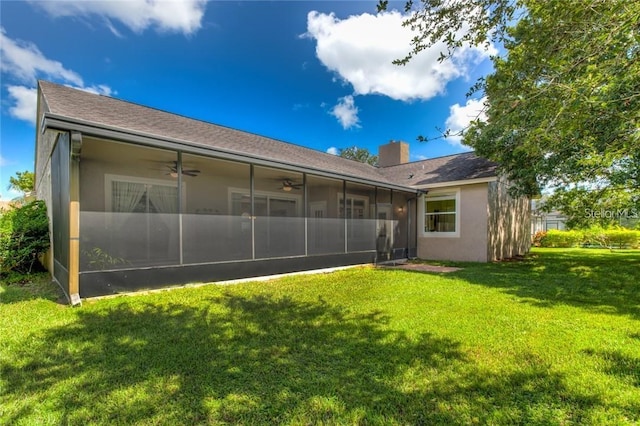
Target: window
143, 220
266, 204
357, 206
129, 194
441, 214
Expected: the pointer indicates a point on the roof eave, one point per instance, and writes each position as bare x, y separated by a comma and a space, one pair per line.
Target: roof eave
64, 123
457, 183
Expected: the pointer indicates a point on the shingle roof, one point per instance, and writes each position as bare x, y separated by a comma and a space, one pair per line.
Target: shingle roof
450, 168
103, 111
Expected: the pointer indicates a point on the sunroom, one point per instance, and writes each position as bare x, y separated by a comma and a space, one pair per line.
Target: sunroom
141, 198
148, 212
150, 217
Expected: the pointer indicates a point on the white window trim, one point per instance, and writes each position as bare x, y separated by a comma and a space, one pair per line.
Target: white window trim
268, 194
445, 193
354, 197
110, 178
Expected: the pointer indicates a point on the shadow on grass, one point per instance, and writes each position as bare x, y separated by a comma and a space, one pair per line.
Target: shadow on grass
22, 288
263, 360
595, 280
620, 365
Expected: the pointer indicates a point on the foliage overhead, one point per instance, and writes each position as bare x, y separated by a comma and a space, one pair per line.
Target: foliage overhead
563, 108
359, 154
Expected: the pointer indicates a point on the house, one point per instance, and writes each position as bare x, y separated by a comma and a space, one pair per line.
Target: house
544, 221
141, 198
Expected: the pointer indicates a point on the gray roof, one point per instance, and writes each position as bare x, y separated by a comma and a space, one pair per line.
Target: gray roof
105, 112
450, 168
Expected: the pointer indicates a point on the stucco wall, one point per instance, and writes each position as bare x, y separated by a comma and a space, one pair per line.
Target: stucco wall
44, 147
471, 244
509, 226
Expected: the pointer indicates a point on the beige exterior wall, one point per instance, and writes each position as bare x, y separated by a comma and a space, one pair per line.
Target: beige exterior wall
471, 242
509, 223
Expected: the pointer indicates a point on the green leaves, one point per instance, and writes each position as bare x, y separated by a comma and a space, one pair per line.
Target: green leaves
22, 182
564, 98
359, 154
564, 89
24, 234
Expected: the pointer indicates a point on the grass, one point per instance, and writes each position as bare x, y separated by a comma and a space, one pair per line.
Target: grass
552, 339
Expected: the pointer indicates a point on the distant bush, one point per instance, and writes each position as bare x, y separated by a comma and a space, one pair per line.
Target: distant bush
555, 238
612, 238
24, 234
618, 238
623, 238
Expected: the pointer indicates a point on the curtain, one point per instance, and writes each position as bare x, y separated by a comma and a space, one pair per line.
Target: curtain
126, 195
164, 198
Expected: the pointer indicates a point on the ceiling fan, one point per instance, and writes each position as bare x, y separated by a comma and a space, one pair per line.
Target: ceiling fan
173, 170
288, 185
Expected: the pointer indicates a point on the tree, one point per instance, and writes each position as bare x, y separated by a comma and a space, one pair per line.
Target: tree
359, 154
23, 182
24, 234
563, 108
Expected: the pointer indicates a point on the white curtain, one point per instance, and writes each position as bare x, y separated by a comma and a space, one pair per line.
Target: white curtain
126, 195
164, 198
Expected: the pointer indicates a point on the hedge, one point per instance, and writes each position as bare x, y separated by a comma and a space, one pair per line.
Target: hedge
612, 238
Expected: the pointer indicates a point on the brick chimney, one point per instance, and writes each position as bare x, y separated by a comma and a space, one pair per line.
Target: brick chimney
393, 153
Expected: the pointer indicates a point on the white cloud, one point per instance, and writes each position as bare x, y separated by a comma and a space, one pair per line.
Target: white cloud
24, 62
171, 16
346, 112
333, 151
361, 48
3, 161
461, 116
98, 89
24, 103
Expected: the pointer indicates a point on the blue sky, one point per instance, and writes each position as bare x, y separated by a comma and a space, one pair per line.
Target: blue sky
316, 74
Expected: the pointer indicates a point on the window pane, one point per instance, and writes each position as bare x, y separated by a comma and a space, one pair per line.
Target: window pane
216, 225
279, 219
325, 229
441, 223
438, 206
361, 223
129, 206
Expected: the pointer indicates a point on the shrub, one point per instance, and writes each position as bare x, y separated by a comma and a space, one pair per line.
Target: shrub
24, 234
538, 238
612, 238
555, 238
596, 236
623, 238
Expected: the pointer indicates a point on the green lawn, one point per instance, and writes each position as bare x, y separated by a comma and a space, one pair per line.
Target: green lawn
553, 339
